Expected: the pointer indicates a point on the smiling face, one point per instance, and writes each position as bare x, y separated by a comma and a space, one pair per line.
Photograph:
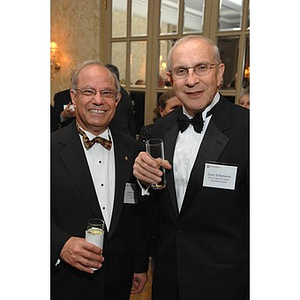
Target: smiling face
94, 113
194, 91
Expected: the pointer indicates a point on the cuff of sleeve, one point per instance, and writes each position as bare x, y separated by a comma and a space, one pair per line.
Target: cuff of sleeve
61, 118
144, 191
57, 262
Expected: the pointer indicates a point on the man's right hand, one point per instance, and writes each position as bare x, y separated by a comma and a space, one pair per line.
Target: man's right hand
146, 168
81, 254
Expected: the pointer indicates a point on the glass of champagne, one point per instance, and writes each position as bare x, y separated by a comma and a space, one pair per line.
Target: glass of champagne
155, 147
95, 232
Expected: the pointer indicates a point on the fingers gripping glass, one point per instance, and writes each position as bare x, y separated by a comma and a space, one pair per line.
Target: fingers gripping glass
200, 70
91, 92
155, 147
95, 233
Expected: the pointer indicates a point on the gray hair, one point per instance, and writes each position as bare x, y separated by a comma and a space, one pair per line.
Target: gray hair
245, 91
89, 63
194, 37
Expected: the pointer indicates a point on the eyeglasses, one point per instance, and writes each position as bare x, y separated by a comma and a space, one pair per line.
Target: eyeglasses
200, 69
89, 92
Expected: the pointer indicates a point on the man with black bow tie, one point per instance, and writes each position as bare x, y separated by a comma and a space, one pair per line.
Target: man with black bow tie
203, 240
91, 177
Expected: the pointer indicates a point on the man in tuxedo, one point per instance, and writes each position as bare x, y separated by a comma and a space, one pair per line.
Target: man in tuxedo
202, 249
93, 179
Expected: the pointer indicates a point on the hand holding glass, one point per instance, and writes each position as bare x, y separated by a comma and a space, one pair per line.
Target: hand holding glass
95, 233
155, 147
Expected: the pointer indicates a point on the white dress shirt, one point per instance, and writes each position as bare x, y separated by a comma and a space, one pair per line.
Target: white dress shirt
186, 150
185, 156
102, 167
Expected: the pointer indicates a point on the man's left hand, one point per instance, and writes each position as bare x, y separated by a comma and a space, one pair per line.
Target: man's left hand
138, 282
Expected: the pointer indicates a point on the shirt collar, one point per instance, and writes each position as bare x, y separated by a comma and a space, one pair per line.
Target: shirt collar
90, 135
207, 109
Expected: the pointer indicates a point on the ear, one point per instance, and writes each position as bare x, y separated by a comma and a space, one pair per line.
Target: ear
118, 98
220, 74
170, 78
73, 97
161, 112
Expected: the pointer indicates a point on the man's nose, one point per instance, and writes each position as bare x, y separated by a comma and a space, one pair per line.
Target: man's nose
98, 98
192, 78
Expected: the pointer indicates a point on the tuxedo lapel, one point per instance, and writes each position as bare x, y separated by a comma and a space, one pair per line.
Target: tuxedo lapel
212, 146
72, 154
123, 165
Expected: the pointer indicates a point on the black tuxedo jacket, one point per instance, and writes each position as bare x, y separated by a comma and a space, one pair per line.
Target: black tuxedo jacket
74, 200
203, 251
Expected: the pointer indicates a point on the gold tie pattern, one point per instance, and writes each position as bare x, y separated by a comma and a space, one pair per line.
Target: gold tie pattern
89, 143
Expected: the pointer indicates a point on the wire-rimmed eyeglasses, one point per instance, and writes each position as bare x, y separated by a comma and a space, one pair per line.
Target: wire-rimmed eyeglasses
89, 92
199, 69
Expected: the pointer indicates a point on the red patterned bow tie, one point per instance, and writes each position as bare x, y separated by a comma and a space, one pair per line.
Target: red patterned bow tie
88, 144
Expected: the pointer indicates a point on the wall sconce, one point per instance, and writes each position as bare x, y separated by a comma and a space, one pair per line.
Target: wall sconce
55, 65
247, 73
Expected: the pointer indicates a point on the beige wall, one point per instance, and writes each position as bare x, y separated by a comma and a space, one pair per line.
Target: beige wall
75, 27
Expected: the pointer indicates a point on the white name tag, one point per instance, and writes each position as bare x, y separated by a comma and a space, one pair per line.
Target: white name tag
220, 176
129, 195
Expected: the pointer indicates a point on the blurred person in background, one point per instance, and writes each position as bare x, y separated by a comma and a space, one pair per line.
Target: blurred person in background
166, 102
244, 100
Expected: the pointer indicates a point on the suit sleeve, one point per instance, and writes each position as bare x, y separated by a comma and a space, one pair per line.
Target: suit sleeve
143, 225
58, 239
143, 222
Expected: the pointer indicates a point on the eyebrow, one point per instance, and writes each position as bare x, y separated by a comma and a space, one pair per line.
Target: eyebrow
199, 63
90, 87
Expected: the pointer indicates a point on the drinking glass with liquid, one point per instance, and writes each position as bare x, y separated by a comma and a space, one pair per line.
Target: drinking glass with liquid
155, 147
95, 232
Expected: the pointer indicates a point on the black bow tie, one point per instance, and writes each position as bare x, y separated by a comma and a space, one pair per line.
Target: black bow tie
196, 121
184, 122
